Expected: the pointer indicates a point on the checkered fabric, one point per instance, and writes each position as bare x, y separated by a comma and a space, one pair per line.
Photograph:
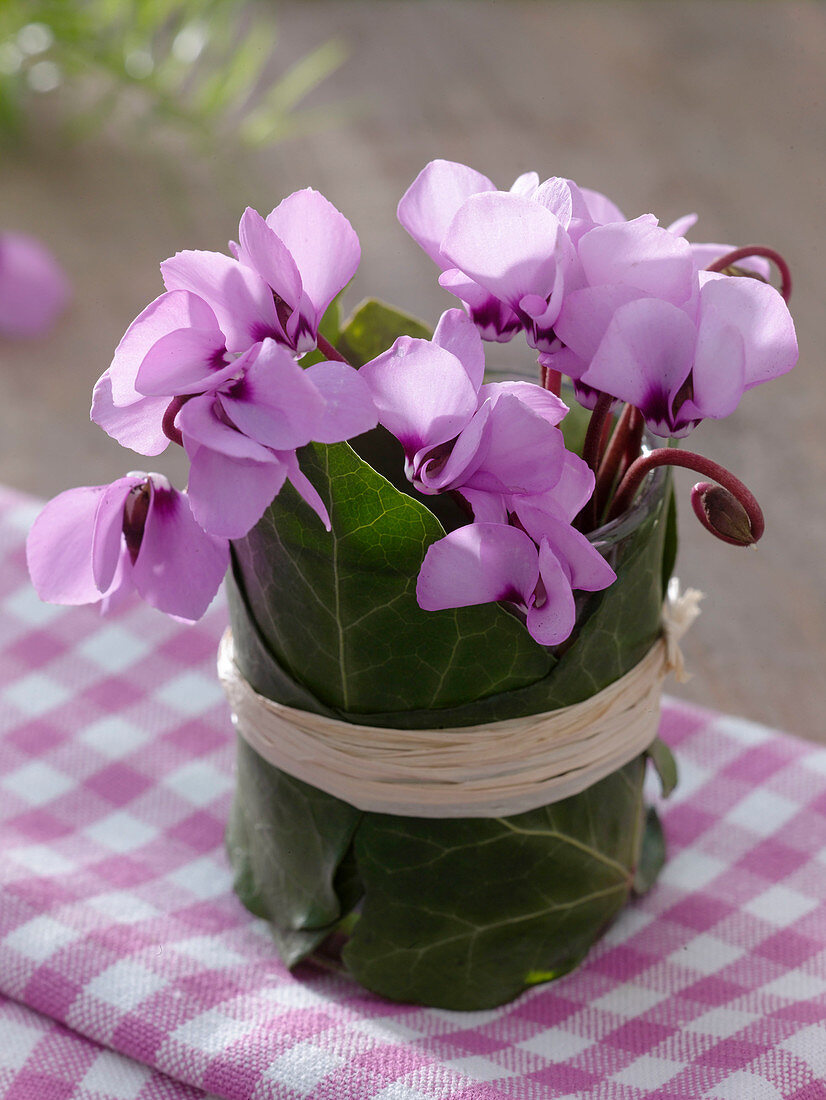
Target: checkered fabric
41, 1059
131, 971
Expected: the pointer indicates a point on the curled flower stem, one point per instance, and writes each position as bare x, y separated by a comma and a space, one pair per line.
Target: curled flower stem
666, 456
330, 351
170, 429
758, 250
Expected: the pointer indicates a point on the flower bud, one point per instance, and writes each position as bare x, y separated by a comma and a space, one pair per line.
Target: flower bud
720, 512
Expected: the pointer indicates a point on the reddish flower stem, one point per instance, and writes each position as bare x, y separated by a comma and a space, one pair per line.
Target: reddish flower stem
592, 447
666, 456
612, 459
551, 380
758, 250
170, 429
330, 351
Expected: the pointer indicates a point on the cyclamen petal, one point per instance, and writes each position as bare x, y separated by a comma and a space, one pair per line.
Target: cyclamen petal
428, 206
526, 184
545, 404
552, 612
170, 312
240, 299
506, 243
584, 566
185, 361
522, 452
59, 547
639, 254
322, 243
601, 209
275, 403
179, 567
457, 334
422, 393
137, 426
644, 358
107, 539
718, 374
264, 251
761, 316
348, 409
555, 194
439, 472
494, 320
203, 423
479, 563
229, 494
586, 315
304, 487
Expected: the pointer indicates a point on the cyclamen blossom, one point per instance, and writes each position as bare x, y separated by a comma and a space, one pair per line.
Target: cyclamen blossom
97, 544
678, 344
521, 549
456, 432
499, 447
241, 438
211, 359
508, 255
306, 251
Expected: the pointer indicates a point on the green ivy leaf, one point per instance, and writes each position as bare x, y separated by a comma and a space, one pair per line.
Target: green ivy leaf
288, 844
665, 765
338, 609
466, 913
652, 853
373, 327
670, 543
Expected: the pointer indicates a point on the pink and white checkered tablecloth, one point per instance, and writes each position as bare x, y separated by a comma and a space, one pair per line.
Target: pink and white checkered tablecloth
128, 970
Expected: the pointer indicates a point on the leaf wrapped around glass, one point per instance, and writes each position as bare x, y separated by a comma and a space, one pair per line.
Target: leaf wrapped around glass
460, 913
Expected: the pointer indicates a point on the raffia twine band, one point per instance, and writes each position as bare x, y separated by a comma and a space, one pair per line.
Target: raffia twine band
490, 770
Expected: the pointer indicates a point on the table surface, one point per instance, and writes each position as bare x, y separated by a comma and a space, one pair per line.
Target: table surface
667, 107
129, 971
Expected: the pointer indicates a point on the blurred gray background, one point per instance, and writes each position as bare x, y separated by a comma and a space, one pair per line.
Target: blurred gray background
666, 106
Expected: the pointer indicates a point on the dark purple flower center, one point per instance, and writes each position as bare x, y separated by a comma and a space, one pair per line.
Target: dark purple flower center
135, 511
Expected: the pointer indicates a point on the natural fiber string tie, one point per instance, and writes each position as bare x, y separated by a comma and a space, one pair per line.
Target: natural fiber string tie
490, 770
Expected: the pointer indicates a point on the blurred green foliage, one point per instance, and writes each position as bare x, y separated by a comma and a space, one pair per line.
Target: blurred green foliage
201, 66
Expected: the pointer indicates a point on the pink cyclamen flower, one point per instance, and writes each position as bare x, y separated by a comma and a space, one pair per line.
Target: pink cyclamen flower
488, 562
649, 329
245, 413
34, 289
498, 446
97, 544
456, 432
521, 549
306, 251
241, 438
507, 255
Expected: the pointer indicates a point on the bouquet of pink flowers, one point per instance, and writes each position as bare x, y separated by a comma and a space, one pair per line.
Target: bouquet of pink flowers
433, 561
